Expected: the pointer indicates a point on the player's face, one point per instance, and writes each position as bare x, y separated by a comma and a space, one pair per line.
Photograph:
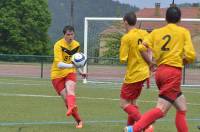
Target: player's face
69, 36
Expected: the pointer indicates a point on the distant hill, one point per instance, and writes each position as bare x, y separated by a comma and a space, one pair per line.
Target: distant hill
60, 10
189, 5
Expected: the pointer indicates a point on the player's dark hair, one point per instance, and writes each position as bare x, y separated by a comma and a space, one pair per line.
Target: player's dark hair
131, 18
68, 28
173, 14
149, 30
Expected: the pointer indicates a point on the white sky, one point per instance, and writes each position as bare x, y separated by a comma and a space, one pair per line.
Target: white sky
151, 3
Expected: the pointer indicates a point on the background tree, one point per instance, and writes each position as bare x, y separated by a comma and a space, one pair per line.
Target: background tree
23, 27
112, 45
84, 8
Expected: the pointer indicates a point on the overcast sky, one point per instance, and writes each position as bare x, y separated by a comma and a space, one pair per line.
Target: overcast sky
151, 3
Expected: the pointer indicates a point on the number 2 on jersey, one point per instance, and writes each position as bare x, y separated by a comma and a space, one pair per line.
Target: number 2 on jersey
167, 38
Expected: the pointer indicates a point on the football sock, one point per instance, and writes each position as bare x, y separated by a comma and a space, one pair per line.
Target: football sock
181, 123
133, 114
130, 120
70, 102
76, 116
148, 118
70, 99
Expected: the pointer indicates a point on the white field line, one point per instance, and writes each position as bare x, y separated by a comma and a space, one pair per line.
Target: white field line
89, 82
24, 80
44, 83
86, 122
154, 85
26, 84
88, 98
58, 122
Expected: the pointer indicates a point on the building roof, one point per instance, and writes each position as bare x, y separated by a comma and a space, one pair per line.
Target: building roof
187, 12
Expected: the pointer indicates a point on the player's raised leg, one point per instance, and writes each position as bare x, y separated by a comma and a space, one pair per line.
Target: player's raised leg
128, 96
151, 116
70, 86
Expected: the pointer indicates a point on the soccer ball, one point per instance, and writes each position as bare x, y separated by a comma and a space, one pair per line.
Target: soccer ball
79, 59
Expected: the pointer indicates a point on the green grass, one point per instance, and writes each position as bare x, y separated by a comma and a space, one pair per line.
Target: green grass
98, 106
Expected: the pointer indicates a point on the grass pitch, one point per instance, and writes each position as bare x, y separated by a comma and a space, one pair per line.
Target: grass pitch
31, 105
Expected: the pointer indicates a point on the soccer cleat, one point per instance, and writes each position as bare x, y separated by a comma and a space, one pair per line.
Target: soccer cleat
128, 129
79, 125
149, 129
70, 110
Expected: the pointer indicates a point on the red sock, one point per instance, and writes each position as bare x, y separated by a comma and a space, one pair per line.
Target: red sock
148, 118
74, 113
71, 100
181, 123
133, 114
130, 120
76, 116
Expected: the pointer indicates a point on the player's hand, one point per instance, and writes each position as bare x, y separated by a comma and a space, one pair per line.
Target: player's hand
153, 66
185, 62
148, 83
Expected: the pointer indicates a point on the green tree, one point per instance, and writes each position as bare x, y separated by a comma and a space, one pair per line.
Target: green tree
112, 45
23, 27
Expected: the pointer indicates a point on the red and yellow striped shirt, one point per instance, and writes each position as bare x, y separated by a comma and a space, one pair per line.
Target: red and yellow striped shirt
62, 53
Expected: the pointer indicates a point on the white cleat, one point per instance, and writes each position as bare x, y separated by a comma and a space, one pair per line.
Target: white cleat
128, 129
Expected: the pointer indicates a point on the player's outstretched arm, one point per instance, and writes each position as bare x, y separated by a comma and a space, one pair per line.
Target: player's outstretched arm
65, 65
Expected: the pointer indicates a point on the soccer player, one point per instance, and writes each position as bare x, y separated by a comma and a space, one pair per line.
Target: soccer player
63, 72
172, 48
137, 70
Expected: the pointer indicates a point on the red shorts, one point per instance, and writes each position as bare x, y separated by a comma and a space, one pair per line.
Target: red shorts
59, 83
168, 80
131, 91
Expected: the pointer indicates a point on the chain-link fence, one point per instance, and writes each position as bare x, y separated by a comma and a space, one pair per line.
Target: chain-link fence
100, 69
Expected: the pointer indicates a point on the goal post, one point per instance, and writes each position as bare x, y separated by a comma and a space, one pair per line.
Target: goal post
106, 19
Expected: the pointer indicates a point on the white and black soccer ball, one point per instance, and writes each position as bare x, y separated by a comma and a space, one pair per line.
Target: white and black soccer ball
79, 59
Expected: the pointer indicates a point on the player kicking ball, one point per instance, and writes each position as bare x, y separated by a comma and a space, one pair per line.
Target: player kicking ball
172, 48
63, 72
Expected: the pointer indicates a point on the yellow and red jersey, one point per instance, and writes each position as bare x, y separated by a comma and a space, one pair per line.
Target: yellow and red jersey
62, 53
170, 44
137, 69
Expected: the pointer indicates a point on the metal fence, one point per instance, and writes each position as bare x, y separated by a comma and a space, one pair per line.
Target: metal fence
99, 69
